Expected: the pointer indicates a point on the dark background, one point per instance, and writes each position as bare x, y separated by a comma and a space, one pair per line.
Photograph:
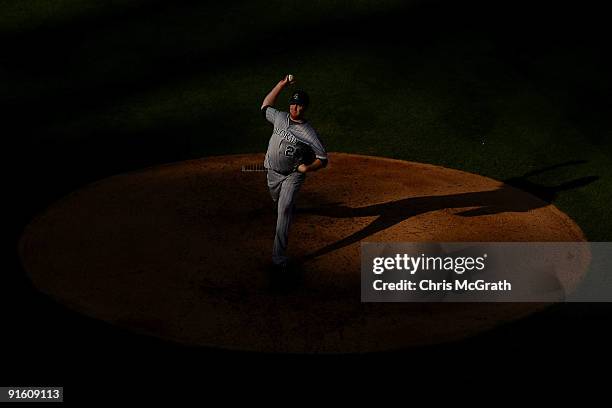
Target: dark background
93, 89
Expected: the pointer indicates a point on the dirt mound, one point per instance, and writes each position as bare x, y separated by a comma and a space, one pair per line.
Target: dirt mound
180, 251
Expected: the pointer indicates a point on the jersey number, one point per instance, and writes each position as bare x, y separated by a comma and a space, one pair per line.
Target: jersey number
289, 150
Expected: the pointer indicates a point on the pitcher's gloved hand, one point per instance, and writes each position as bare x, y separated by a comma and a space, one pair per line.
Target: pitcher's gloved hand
303, 155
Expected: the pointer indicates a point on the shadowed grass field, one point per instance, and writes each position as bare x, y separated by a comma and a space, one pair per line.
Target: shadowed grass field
95, 90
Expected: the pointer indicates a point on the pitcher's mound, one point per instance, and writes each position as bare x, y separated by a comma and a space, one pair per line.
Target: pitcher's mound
181, 251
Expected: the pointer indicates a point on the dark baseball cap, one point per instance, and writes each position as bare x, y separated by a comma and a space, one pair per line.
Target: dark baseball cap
299, 98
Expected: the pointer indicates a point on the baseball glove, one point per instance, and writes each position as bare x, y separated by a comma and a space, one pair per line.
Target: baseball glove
303, 155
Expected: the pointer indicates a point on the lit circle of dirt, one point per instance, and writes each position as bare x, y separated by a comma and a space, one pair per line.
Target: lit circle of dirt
181, 252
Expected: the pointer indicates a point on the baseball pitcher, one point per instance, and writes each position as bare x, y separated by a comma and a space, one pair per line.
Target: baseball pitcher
294, 149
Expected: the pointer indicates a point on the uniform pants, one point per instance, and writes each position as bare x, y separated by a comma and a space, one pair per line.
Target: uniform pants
283, 190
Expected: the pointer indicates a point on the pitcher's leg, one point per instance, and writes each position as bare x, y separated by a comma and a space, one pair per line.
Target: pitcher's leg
289, 188
274, 185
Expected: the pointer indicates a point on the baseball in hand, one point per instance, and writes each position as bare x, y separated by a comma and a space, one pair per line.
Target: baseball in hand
290, 78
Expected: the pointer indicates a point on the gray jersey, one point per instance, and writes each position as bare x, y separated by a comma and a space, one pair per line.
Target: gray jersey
285, 137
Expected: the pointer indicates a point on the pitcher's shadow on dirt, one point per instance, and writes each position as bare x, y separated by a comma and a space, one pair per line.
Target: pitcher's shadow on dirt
517, 194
